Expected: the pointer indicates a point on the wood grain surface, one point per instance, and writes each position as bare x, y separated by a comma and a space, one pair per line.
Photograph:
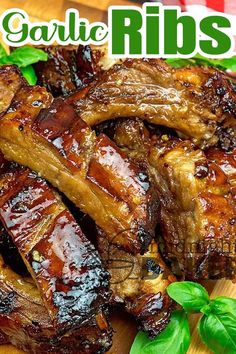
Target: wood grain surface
96, 10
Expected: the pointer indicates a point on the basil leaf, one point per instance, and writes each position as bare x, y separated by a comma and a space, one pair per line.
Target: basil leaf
218, 332
3, 52
191, 296
140, 340
26, 55
229, 63
174, 339
200, 60
29, 74
177, 63
223, 64
223, 304
6, 60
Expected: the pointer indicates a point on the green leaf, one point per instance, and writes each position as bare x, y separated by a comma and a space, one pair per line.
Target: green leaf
26, 55
223, 64
177, 63
140, 340
3, 52
218, 332
229, 63
223, 304
29, 74
6, 60
174, 339
191, 296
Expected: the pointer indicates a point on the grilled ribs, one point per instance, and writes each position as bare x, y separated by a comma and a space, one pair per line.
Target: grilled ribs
194, 101
67, 69
227, 162
139, 284
93, 172
24, 321
10, 84
197, 194
64, 264
70, 68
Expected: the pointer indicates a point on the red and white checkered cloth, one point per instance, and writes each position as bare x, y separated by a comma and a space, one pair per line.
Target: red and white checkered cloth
202, 7
227, 6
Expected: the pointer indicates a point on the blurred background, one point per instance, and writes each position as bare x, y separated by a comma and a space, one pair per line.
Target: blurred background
94, 10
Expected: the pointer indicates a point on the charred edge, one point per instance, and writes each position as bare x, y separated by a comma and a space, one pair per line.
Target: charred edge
144, 238
7, 302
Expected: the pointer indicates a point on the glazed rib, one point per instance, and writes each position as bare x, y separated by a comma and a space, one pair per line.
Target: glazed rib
70, 68
67, 69
227, 162
197, 195
198, 209
64, 264
11, 81
25, 323
92, 171
193, 101
139, 284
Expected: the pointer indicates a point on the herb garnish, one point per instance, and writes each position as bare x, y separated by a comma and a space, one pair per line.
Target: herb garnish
24, 57
223, 64
217, 326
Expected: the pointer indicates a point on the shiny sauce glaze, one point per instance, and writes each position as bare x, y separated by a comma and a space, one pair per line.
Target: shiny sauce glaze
64, 264
67, 69
67, 153
61, 126
25, 322
102, 164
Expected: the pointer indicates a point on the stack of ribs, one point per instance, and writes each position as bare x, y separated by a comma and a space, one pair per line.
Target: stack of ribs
65, 305
147, 153
197, 195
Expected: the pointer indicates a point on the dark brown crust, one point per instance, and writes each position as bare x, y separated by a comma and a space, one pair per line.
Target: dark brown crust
197, 194
193, 101
10, 82
63, 263
24, 321
3, 338
197, 210
67, 69
226, 161
51, 139
139, 284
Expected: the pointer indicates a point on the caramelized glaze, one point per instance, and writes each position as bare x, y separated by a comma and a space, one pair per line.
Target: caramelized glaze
63, 263
98, 177
197, 195
188, 100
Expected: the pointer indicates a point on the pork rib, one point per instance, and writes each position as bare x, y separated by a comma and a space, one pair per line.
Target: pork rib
92, 171
67, 69
139, 284
64, 264
193, 101
70, 68
197, 195
11, 82
25, 323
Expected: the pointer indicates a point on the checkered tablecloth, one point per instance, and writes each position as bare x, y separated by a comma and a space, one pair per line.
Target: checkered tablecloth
227, 6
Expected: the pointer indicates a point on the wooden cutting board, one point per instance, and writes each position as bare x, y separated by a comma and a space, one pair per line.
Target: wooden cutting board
124, 327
